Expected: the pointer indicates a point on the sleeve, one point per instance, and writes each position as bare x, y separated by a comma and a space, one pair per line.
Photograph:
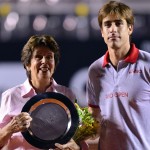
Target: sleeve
92, 88
84, 145
5, 108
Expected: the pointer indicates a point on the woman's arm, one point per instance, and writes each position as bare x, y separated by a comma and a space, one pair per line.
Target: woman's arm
4, 136
17, 124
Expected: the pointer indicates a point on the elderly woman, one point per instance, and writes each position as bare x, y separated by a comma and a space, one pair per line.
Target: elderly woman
40, 56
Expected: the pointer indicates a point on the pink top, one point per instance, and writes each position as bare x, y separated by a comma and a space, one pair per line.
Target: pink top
12, 103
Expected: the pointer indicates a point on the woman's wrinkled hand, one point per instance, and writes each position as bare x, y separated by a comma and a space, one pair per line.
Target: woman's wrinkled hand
71, 145
19, 123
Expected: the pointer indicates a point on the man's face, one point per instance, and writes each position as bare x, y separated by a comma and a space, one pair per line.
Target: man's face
115, 31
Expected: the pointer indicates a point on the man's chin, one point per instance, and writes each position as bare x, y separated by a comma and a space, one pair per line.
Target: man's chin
114, 45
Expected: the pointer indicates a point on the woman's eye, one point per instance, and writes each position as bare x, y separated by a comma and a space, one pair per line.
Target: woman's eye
50, 57
38, 57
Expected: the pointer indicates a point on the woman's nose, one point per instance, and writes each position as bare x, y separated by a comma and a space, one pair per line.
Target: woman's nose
44, 59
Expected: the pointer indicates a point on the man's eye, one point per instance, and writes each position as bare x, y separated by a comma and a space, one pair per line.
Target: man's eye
107, 25
118, 23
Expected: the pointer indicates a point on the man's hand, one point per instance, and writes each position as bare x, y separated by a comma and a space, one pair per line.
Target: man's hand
71, 145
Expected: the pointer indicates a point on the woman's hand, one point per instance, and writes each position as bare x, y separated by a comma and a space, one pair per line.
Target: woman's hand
19, 123
71, 145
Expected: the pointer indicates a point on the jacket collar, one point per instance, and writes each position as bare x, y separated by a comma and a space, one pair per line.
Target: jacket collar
28, 90
131, 58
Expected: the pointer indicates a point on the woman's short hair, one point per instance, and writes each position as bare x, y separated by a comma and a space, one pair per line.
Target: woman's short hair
37, 41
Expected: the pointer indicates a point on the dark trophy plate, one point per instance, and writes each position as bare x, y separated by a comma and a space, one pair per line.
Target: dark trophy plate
55, 120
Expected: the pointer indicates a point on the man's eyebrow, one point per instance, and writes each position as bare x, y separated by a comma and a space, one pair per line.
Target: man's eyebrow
116, 20
107, 21
119, 20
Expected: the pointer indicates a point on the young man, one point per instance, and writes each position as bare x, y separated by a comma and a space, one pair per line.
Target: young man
118, 86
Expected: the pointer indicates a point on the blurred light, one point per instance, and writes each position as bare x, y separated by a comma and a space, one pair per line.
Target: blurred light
11, 21
77, 84
5, 9
51, 2
94, 23
70, 23
82, 28
82, 9
24, 1
39, 23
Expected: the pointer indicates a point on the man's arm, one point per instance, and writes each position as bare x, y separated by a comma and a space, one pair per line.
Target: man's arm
96, 114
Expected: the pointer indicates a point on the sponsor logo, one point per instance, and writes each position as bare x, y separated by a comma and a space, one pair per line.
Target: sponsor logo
135, 71
116, 94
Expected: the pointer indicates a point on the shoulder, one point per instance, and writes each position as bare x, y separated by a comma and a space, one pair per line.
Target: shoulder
144, 54
65, 91
12, 91
98, 62
144, 58
96, 67
10, 98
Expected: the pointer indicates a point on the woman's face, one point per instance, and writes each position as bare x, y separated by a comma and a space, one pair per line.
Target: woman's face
42, 64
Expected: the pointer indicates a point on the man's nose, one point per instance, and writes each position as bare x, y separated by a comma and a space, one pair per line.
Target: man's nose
113, 27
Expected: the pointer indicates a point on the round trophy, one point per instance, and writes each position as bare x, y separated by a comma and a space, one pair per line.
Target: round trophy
54, 120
